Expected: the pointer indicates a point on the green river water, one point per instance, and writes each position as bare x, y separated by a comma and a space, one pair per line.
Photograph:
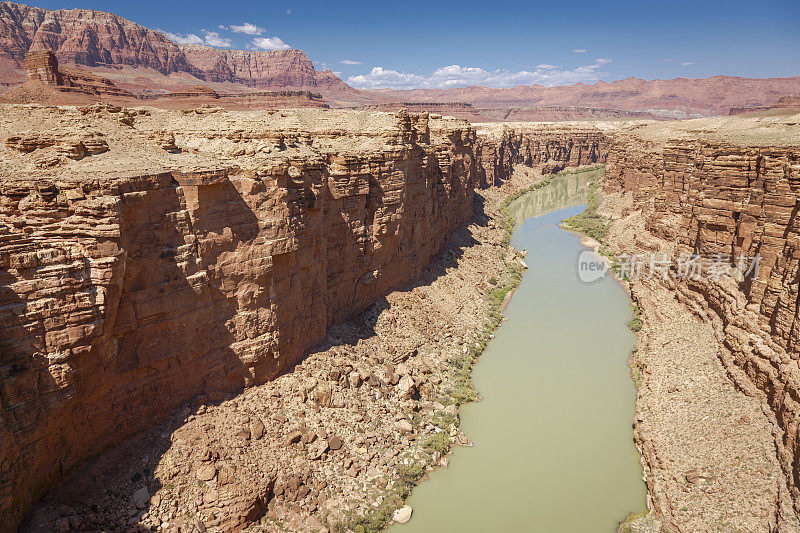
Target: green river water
553, 440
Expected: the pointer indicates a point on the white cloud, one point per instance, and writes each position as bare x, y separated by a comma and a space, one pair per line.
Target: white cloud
458, 76
270, 43
602, 61
350, 62
667, 60
687, 63
580, 50
189, 38
545, 66
247, 28
213, 39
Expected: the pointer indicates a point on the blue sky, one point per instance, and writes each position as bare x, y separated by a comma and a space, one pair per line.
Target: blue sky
408, 43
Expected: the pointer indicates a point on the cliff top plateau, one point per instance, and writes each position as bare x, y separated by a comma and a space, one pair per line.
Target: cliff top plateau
752, 130
104, 141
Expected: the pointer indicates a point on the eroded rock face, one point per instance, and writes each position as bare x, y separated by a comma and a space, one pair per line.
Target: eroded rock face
548, 148
732, 199
42, 65
95, 39
123, 297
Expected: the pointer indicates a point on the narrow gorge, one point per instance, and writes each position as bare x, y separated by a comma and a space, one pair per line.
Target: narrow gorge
220, 320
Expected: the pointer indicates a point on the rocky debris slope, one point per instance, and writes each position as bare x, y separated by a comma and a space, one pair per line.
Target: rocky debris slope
707, 449
725, 189
150, 256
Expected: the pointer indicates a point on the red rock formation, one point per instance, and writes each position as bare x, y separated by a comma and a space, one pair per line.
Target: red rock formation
42, 66
721, 198
122, 297
85, 37
196, 91
785, 103
46, 80
262, 69
677, 98
95, 39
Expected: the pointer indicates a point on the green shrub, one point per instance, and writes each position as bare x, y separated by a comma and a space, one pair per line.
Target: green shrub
590, 222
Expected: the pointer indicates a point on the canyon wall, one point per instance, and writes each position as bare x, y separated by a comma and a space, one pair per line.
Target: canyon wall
124, 293
729, 200
551, 148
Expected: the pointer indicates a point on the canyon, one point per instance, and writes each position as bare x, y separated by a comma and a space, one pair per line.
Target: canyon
239, 294
176, 268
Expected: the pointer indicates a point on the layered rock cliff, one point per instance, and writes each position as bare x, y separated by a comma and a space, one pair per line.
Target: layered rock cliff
148, 257
91, 38
727, 192
550, 148
195, 254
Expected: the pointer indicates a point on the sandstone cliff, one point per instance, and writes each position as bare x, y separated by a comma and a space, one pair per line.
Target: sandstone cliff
91, 38
550, 148
730, 189
194, 254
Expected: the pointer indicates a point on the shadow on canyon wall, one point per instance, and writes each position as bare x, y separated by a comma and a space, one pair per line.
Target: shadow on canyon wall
144, 343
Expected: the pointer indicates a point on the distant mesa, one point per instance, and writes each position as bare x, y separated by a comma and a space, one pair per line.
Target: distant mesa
49, 83
195, 91
118, 58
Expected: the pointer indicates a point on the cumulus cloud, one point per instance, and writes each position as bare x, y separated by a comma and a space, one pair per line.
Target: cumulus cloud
213, 38
580, 50
248, 28
545, 66
350, 62
687, 63
269, 43
458, 76
189, 38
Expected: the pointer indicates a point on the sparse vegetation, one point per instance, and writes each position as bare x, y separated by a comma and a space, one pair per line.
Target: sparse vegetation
439, 443
634, 523
379, 517
509, 221
636, 322
590, 222
460, 390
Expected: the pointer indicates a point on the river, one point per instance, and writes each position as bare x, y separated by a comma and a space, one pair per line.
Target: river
553, 440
